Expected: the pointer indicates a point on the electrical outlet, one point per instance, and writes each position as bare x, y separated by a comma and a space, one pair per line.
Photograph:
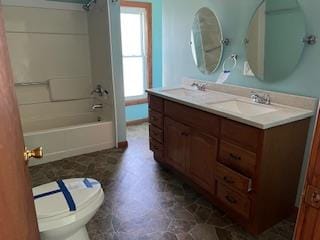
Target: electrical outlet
247, 70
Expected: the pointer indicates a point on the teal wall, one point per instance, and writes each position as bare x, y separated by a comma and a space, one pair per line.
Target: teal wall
141, 111
235, 17
136, 112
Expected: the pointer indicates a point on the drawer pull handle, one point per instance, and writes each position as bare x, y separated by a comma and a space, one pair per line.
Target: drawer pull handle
154, 118
227, 180
185, 134
234, 157
231, 199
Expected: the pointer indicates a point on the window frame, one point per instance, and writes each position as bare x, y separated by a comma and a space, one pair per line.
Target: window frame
148, 47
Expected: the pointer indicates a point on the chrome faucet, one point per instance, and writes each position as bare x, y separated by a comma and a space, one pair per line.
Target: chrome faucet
262, 99
200, 86
97, 106
100, 91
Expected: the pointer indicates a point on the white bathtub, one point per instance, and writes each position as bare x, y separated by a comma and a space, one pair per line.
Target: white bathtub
68, 136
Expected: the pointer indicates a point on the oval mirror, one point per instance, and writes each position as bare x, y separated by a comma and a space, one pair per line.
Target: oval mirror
206, 41
274, 40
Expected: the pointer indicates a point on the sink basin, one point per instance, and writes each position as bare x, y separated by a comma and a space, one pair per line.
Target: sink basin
243, 108
183, 92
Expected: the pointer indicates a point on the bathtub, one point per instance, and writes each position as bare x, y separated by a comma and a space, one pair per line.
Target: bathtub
68, 136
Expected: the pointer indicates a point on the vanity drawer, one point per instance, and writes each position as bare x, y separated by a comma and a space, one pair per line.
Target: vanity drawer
156, 119
233, 179
237, 158
155, 146
203, 121
245, 136
156, 103
237, 202
156, 133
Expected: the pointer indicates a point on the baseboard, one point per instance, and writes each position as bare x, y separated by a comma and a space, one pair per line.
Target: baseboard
123, 145
57, 156
137, 122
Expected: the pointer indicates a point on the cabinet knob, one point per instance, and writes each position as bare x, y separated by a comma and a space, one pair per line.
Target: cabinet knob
231, 199
234, 157
227, 180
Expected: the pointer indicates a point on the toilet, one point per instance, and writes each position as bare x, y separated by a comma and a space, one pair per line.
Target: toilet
65, 207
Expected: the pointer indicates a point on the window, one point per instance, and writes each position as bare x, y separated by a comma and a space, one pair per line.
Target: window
136, 50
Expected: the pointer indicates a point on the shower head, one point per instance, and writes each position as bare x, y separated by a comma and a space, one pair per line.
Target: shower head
87, 6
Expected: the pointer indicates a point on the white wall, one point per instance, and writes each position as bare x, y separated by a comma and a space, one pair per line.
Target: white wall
101, 66
47, 43
116, 49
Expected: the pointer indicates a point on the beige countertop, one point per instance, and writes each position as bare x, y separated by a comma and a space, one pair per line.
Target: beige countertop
234, 103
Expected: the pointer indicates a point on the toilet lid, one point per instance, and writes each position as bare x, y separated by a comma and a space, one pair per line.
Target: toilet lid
64, 196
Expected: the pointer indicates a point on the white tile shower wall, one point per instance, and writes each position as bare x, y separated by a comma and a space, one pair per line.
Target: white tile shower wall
46, 43
100, 50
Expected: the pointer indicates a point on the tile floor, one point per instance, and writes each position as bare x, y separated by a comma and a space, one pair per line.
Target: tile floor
145, 201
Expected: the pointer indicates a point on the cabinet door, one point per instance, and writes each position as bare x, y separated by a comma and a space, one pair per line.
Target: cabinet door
307, 227
176, 140
203, 152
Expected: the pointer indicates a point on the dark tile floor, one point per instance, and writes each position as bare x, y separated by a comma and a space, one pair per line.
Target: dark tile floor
145, 201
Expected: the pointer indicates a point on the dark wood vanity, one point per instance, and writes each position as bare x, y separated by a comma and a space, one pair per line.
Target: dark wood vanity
250, 173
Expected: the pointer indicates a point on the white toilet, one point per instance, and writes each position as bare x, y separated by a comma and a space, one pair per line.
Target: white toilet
66, 206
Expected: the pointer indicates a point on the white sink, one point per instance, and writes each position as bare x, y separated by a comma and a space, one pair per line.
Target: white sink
243, 108
183, 92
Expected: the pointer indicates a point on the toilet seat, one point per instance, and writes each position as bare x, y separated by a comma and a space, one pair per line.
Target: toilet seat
53, 208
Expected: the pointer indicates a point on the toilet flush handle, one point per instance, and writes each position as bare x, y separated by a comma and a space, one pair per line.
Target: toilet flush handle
35, 153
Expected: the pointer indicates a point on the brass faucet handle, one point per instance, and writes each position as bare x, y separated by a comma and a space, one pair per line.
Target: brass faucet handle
35, 153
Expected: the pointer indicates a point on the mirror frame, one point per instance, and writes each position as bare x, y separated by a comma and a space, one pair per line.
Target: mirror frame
246, 39
223, 42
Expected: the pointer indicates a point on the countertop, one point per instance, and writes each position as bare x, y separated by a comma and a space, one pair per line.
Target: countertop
209, 101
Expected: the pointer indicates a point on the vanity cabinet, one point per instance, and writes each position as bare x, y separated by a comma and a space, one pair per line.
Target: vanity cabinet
190, 152
250, 173
203, 150
177, 143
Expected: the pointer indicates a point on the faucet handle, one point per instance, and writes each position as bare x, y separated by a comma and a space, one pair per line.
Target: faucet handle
267, 98
99, 90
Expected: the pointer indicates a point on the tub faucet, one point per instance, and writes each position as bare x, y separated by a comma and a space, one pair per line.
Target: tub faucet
100, 91
97, 106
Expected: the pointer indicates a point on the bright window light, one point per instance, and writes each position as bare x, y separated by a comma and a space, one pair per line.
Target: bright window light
133, 52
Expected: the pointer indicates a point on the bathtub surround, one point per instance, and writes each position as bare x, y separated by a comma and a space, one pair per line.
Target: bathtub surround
100, 53
102, 62
130, 113
47, 44
59, 53
63, 89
